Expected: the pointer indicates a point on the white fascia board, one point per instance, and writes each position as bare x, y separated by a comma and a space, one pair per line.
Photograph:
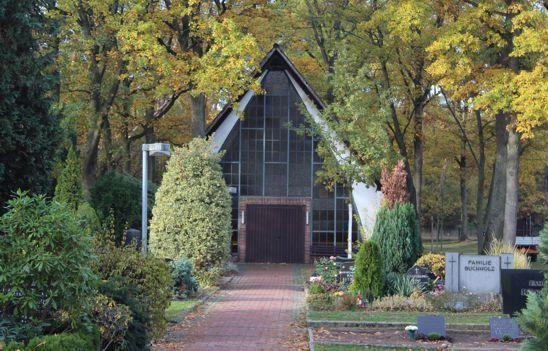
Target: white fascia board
366, 198
221, 134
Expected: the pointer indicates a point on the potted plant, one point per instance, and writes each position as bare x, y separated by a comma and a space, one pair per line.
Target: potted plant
411, 330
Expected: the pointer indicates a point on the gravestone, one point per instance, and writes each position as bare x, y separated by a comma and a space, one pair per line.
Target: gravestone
421, 275
452, 271
516, 283
479, 273
500, 327
507, 261
346, 270
431, 324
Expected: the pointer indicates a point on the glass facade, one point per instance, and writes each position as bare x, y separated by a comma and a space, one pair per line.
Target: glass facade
268, 154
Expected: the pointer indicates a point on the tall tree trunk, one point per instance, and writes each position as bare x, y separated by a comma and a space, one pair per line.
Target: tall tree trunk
90, 158
463, 235
494, 220
480, 191
418, 156
198, 115
512, 188
107, 144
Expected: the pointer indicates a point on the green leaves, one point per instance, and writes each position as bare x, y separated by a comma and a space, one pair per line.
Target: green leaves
192, 213
45, 261
397, 233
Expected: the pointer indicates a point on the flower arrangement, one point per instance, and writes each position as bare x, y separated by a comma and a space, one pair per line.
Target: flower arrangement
411, 330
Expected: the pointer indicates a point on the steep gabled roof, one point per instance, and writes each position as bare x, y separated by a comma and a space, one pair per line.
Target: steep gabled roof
275, 59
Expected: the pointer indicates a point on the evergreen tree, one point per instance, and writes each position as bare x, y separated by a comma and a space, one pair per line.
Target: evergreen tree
191, 217
69, 184
397, 233
28, 129
368, 277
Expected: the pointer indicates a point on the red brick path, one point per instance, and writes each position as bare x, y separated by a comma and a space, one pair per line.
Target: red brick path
254, 313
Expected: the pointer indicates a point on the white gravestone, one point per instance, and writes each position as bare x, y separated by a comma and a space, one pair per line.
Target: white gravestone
479, 274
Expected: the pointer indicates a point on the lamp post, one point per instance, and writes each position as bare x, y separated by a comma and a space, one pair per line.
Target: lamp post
155, 149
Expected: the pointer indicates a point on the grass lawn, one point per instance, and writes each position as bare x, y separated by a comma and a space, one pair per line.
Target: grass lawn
466, 247
403, 317
178, 308
333, 347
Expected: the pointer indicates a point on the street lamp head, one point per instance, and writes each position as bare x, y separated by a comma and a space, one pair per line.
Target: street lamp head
157, 149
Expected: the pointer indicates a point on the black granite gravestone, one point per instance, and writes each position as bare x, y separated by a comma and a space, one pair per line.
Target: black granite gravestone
501, 327
346, 270
431, 324
516, 283
421, 275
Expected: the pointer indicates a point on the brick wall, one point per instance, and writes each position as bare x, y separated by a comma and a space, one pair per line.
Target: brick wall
251, 200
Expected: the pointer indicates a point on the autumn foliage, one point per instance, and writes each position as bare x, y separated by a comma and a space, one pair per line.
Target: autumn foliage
394, 186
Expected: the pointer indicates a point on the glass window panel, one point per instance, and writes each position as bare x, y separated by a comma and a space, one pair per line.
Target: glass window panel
275, 179
254, 113
252, 162
276, 129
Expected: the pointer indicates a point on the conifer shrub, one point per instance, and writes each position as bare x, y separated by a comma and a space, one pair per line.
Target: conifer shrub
192, 213
397, 233
119, 196
69, 185
533, 319
368, 274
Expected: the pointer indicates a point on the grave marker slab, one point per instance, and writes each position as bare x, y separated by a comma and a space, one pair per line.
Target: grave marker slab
421, 275
431, 324
516, 283
500, 327
452, 271
507, 261
479, 273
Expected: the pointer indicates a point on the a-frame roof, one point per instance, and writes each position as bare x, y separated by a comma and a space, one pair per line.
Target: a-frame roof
275, 59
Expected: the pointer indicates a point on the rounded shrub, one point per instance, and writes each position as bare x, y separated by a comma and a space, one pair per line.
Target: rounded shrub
148, 274
434, 262
368, 274
397, 233
184, 283
119, 196
192, 213
45, 262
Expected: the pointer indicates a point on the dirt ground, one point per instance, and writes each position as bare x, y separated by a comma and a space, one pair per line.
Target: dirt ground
398, 338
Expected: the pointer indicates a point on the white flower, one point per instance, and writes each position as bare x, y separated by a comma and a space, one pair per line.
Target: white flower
411, 327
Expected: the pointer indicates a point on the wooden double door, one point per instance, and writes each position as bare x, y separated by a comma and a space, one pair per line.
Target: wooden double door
275, 233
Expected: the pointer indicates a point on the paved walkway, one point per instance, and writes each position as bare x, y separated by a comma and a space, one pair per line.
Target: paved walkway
254, 313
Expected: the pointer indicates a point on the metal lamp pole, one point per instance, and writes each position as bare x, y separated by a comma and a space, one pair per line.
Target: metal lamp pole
155, 149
